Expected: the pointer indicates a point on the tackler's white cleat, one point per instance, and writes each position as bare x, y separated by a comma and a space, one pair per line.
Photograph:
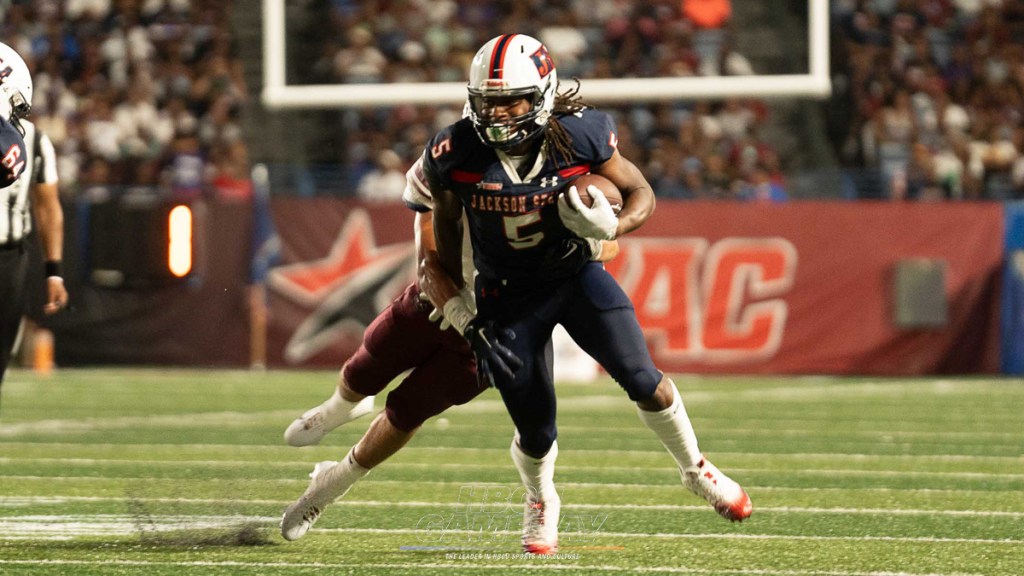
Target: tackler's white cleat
323, 489
722, 492
311, 427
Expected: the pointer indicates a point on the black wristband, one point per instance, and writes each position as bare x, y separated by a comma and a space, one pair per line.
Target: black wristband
52, 268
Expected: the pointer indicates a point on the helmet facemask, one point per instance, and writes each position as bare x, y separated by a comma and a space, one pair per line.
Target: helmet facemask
507, 133
20, 108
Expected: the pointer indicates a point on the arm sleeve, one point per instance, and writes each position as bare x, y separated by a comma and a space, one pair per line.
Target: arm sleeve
417, 190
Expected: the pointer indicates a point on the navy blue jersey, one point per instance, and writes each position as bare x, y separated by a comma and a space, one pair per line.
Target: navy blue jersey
513, 219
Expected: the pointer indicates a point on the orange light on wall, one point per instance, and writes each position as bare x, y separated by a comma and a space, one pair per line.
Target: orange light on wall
179, 249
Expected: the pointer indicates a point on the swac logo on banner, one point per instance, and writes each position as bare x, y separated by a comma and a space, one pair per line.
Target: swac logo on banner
718, 303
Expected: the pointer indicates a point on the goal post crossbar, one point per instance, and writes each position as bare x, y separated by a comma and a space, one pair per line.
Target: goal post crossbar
279, 95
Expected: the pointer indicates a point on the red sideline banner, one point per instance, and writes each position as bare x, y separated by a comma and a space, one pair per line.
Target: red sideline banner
795, 288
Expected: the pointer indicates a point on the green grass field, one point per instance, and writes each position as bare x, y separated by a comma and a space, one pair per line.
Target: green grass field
184, 472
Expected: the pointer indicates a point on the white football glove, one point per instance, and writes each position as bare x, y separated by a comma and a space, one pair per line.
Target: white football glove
458, 311
598, 221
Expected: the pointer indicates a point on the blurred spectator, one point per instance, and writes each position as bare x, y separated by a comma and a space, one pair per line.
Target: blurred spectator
138, 122
185, 167
361, 61
385, 182
564, 38
707, 13
921, 179
103, 135
761, 188
231, 181
726, 61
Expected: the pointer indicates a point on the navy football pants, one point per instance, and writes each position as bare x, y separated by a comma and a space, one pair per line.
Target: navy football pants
600, 318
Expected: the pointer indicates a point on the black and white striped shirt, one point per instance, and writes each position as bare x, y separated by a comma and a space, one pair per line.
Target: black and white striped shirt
41, 167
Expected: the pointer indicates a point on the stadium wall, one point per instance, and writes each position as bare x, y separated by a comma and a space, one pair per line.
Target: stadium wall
794, 288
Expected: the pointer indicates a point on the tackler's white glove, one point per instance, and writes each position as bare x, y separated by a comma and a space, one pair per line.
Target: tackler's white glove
597, 221
458, 311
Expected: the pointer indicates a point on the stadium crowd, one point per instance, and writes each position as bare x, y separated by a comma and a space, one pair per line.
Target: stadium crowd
929, 93
707, 150
147, 93
136, 92
934, 95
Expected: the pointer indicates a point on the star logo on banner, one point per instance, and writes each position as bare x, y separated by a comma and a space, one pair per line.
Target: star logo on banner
347, 288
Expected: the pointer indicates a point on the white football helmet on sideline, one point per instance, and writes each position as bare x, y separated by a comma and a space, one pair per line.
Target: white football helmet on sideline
15, 85
509, 66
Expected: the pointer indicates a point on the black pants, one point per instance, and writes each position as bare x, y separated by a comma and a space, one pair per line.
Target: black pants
13, 270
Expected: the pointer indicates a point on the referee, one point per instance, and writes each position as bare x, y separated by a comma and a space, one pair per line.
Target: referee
28, 190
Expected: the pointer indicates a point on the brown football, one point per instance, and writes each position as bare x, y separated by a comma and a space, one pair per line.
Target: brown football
611, 191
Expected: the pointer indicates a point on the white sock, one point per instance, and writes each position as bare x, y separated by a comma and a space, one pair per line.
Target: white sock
343, 476
673, 428
336, 406
538, 474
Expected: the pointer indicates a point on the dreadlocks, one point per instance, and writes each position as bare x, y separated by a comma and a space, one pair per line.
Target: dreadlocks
558, 141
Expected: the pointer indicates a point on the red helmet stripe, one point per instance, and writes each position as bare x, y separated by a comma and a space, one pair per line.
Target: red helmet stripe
498, 56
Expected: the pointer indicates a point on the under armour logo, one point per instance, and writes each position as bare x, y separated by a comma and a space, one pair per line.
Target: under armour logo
549, 182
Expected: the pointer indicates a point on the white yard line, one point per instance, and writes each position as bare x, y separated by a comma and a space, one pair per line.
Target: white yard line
56, 526
237, 449
177, 420
28, 501
44, 526
504, 466
303, 482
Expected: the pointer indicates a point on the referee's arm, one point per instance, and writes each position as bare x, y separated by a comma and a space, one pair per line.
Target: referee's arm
49, 218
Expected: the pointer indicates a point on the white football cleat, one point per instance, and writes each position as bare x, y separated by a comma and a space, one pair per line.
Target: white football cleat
311, 427
540, 525
323, 489
722, 492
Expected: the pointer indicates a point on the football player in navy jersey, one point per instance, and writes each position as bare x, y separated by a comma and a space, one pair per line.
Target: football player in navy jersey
504, 167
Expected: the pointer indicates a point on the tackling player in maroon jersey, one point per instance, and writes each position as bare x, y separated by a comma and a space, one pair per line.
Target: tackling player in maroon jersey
405, 336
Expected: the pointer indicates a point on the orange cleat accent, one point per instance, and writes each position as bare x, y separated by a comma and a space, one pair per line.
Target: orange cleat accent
722, 492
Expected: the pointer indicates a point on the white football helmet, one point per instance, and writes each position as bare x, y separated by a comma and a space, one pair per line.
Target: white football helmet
15, 85
511, 65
